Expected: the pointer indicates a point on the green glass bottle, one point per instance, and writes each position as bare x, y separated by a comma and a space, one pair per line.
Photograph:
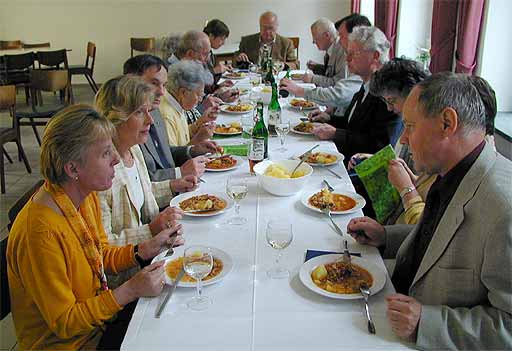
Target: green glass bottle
274, 111
258, 147
282, 92
269, 76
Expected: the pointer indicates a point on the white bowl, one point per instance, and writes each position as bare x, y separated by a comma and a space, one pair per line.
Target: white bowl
282, 186
265, 93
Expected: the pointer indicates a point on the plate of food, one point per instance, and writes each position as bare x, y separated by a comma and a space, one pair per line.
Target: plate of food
296, 76
234, 128
339, 201
235, 75
223, 163
202, 204
222, 265
327, 275
323, 158
303, 128
302, 104
237, 109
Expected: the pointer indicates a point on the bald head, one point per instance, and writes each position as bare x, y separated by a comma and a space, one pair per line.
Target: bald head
269, 25
194, 45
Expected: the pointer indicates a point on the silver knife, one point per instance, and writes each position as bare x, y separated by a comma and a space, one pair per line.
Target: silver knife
168, 290
336, 174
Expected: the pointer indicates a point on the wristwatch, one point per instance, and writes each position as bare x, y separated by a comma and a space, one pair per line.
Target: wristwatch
406, 191
139, 259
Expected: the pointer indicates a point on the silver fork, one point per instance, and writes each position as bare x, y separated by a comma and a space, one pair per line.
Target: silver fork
327, 211
365, 291
170, 250
347, 260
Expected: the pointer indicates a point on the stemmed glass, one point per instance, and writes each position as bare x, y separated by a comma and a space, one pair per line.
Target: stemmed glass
198, 263
236, 188
279, 235
282, 128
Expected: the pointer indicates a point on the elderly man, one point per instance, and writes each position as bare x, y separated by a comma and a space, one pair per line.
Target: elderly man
282, 48
367, 125
338, 95
325, 37
162, 160
453, 271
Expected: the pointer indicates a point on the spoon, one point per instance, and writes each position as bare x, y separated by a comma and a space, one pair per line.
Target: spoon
365, 291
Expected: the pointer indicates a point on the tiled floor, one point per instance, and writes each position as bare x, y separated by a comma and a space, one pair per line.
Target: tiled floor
18, 181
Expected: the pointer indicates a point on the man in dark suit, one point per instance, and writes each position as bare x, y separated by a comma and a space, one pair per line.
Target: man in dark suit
181, 164
367, 125
282, 48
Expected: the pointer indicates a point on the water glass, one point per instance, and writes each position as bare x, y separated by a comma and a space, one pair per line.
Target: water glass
247, 125
237, 189
282, 129
198, 263
279, 236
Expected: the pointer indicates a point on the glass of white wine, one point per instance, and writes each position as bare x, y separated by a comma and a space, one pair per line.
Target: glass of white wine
279, 236
236, 188
198, 263
282, 129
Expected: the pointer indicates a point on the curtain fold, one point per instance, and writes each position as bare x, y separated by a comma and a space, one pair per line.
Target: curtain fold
444, 30
355, 6
386, 19
471, 14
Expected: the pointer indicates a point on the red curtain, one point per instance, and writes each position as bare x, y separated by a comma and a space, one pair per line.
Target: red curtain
443, 34
386, 19
355, 6
471, 14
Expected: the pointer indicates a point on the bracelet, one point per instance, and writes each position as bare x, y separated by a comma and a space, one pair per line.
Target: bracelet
139, 259
406, 190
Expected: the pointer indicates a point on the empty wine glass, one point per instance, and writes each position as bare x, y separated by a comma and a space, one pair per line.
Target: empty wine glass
236, 188
282, 128
279, 235
198, 263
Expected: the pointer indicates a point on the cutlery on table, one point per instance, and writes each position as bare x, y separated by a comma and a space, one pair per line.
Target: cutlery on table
365, 291
202, 180
329, 187
327, 211
170, 250
334, 173
303, 158
308, 152
304, 119
347, 260
167, 292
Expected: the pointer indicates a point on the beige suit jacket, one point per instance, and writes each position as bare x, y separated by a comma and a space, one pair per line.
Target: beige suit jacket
464, 281
282, 49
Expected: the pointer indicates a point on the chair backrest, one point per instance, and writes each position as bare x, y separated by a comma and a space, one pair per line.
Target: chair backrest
35, 46
49, 80
91, 54
10, 44
142, 44
20, 61
52, 58
8, 102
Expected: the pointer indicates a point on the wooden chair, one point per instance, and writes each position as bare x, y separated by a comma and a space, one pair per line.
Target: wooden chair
142, 44
10, 44
10, 134
87, 70
17, 71
51, 60
36, 46
45, 81
296, 41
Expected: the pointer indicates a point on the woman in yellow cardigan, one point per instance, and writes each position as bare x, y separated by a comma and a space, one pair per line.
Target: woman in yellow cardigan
58, 253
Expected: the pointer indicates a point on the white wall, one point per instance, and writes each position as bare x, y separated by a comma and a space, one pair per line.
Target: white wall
414, 27
110, 23
368, 10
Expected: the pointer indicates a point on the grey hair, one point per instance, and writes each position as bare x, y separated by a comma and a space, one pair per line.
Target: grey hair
325, 25
189, 75
447, 89
269, 13
168, 45
372, 39
191, 40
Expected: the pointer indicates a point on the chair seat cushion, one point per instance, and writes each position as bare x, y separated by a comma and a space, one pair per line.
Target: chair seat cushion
79, 70
47, 113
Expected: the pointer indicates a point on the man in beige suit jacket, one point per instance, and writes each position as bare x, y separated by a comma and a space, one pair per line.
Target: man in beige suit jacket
453, 270
282, 48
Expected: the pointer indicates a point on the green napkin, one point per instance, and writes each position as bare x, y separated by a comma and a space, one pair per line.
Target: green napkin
373, 172
238, 149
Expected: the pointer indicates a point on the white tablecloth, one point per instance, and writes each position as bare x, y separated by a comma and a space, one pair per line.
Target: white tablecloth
249, 310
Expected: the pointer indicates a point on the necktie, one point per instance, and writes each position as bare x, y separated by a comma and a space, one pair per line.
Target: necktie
326, 63
158, 145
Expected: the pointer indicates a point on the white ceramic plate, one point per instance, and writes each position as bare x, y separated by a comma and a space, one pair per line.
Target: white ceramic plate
177, 199
379, 276
235, 77
224, 108
339, 158
238, 159
292, 129
360, 201
315, 105
217, 253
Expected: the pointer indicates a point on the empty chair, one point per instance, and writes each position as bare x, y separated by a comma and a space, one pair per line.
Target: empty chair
45, 81
35, 46
17, 68
10, 134
88, 68
52, 59
142, 44
296, 41
10, 44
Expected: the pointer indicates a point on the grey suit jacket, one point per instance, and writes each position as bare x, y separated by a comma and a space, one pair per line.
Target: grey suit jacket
336, 68
175, 155
282, 49
464, 281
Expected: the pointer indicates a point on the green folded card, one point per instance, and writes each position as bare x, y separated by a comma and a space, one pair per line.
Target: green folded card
238, 149
373, 172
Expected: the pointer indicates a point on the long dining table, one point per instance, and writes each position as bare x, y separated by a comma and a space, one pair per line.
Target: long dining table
249, 310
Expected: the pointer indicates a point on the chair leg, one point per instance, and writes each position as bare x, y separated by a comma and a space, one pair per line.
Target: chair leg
6, 155
34, 128
92, 83
21, 152
27, 94
2, 175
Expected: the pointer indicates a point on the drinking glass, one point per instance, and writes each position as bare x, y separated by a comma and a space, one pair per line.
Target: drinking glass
282, 128
236, 188
198, 263
278, 66
255, 79
279, 236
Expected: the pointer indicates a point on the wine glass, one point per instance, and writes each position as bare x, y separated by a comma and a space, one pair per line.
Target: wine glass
198, 263
236, 188
282, 128
279, 235
278, 66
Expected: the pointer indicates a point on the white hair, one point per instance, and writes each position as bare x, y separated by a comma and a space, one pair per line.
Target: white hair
189, 75
325, 25
192, 40
372, 38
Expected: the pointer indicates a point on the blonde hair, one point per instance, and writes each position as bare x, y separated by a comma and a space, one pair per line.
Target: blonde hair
119, 97
67, 137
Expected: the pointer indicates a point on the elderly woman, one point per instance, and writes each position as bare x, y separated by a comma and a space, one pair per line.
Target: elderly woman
58, 253
130, 208
186, 90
